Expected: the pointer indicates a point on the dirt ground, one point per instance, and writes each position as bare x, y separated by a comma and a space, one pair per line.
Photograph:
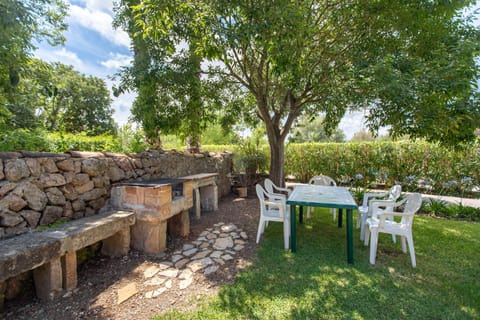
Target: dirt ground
100, 278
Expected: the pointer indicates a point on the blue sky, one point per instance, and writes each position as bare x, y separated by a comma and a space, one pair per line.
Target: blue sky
94, 48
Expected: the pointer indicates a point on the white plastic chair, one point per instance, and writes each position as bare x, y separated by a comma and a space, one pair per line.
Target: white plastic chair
273, 207
323, 181
270, 187
379, 223
363, 211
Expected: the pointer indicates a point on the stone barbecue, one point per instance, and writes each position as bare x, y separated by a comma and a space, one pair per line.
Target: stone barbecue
160, 205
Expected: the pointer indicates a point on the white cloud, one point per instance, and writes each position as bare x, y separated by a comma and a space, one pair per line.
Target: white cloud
62, 55
98, 21
116, 61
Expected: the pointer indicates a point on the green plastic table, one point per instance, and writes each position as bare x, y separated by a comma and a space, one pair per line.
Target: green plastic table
322, 196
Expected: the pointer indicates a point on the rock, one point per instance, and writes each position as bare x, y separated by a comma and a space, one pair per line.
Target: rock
201, 254
216, 254
189, 252
210, 270
187, 246
67, 210
227, 257
80, 179
55, 196
32, 217
223, 243
126, 292
52, 180
66, 165
99, 182
94, 167
85, 187
49, 165
176, 257
1, 170
151, 271
186, 273
155, 281
238, 247
97, 204
50, 215
69, 176
169, 273
93, 194
34, 167
116, 174
228, 228
36, 199
12, 202
16, 169
182, 263
6, 187
185, 283
78, 205
69, 192
10, 220
155, 293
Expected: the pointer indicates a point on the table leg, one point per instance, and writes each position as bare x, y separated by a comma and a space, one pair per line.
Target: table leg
340, 217
349, 236
293, 228
300, 216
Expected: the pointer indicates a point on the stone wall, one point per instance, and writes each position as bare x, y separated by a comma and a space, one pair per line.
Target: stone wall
38, 189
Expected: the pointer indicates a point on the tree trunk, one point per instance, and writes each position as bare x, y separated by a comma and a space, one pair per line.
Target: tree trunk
277, 159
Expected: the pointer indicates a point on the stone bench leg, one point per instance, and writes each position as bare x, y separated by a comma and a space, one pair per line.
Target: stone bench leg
179, 224
209, 197
118, 244
48, 279
69, 271
149, 236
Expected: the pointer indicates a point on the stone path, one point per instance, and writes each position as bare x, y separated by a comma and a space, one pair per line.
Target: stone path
206, 254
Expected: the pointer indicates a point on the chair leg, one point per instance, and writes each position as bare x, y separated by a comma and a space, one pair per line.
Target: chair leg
373, 245
367, 236
394, 238
363, 227
286, 235
260, 229
412, 250
309, 210
404, 245
359, 219
333, 211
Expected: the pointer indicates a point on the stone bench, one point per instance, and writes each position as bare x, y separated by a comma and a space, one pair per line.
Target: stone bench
205, 190
51, 254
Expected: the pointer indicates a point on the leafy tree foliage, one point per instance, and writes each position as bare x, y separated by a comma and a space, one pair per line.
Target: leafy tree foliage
58, 98
313, 130
412, 63
22, 23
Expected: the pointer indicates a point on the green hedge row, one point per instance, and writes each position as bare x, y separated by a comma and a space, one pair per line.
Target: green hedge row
414, 164
38, 140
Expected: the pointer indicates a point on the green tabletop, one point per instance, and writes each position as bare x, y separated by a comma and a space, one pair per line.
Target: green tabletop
322, 196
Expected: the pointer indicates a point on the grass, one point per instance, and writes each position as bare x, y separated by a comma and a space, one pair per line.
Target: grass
317, 283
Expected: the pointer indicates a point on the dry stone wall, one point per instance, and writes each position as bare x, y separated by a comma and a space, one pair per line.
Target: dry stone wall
38, 189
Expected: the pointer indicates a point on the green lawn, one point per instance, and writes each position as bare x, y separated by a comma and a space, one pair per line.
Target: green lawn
317, 283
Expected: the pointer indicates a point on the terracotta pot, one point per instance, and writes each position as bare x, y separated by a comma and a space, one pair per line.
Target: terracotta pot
242, 192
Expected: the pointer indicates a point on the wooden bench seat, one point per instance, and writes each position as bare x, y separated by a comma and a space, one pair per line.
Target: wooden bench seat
51, 254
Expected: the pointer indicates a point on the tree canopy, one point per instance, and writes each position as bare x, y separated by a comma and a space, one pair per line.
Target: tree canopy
412, 63
313, 130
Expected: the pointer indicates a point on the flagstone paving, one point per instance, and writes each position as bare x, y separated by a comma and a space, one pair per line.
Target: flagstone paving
205, 255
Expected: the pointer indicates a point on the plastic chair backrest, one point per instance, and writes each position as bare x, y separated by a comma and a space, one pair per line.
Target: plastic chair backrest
268, 185
394, 192
322, 181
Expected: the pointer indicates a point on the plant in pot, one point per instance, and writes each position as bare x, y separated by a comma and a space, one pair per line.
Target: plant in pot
249, 161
